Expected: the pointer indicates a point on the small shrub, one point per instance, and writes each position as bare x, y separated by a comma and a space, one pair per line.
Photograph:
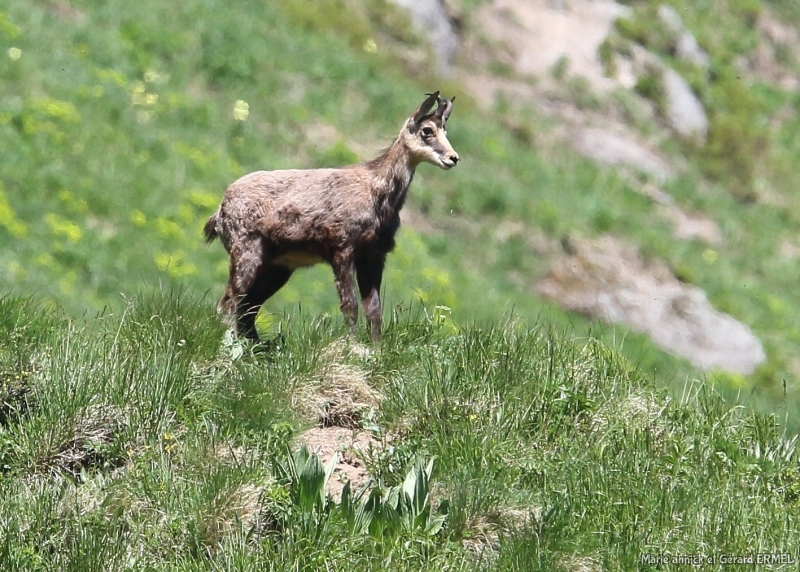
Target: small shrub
580, 90
560, 68
15, 394
651, 86
607, 54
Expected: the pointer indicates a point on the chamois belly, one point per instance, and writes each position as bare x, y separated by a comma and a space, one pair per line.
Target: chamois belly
298, 259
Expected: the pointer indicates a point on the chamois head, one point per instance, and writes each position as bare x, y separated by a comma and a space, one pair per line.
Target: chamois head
425, 133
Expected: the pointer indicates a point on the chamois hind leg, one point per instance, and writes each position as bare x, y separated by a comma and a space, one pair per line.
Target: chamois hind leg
245, 266
267, 283
369, 273
343, 275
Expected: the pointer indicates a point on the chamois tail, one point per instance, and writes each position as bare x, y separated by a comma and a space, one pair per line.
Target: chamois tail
210, 229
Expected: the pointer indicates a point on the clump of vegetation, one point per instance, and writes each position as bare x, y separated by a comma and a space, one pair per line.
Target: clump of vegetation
15, 393
539, 442
651, 86
143, 438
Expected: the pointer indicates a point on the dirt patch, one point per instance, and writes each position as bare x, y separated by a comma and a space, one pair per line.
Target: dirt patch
338, 393
692, 226
336, 397
775, 56
606, 279
617, 149
531, 40
486, 530
537, 35
89, 446
346, 444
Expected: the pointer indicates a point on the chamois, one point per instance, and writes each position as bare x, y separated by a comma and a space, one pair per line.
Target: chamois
274, 222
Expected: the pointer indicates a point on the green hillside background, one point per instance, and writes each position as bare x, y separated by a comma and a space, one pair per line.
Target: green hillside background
490, 429
119, 135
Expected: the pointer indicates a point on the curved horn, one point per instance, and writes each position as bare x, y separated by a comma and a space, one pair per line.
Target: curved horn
445, 108
426, 106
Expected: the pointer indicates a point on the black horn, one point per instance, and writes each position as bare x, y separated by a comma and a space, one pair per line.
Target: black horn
426, 106
445, 108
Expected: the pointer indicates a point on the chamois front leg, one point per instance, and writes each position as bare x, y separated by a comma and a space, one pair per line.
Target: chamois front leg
369, 273
343, 275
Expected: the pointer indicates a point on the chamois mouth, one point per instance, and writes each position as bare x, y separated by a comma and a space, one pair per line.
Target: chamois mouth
448, 163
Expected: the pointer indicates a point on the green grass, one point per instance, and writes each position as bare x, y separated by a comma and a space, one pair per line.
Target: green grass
145, 441
119, 136
135, 435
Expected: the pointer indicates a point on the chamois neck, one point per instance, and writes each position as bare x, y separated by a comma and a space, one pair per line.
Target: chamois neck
392, 173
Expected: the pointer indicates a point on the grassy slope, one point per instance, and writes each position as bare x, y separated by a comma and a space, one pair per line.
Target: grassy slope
138, 441
119, 137
119, 134
110, 455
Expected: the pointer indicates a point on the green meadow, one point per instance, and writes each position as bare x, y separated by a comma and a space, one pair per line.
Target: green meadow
135, 434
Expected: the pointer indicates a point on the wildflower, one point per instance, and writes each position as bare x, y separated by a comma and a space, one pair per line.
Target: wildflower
710, 256
138, 218
241, 110
370, 46
14, 53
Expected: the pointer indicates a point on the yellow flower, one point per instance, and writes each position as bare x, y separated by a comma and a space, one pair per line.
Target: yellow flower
138, 218
241, 110
14, 53
370, 46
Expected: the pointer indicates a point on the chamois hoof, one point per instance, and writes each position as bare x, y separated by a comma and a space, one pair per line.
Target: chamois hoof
269, 348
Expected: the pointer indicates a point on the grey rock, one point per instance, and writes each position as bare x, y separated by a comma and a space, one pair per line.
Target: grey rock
684, 111
607, 280
612, 149
686, 47
431, 17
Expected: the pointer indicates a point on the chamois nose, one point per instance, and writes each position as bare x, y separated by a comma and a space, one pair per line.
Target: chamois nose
453, 159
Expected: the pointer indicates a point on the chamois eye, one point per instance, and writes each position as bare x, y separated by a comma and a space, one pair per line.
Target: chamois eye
427, 132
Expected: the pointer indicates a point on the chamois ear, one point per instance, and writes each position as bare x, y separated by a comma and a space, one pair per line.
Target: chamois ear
445, 107
426, 107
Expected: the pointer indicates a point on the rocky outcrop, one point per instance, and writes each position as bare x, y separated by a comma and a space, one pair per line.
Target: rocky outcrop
612, 149
607, 280
686, 47
537, 35
683, 110
437, 20
685, 113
